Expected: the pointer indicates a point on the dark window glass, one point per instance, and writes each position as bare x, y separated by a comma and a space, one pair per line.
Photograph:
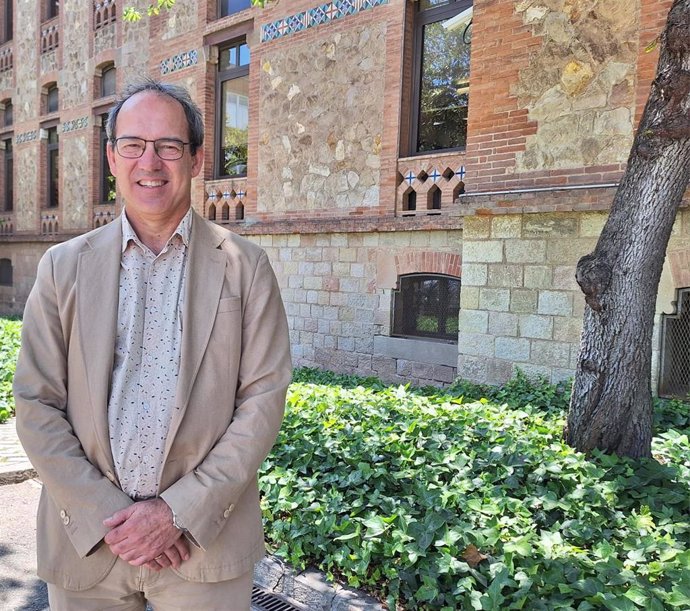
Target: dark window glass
53, 171
9, 114
107, 180
52, 102
233, 106
443, 72
5, 272
427, 306
228, 7
8, 24
8, 177
52, 9
108, 81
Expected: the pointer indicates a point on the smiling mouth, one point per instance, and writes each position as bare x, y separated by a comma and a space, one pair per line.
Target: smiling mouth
150, 184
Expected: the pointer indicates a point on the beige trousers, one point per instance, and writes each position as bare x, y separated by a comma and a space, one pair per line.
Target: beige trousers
128, 588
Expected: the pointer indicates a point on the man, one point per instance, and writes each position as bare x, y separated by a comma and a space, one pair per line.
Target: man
151, 385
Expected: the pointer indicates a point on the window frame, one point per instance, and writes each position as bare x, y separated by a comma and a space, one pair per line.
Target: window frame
52, 9
107, 70
53, 163
222, 14
50, 90
400, 317
104, 167
7, 33
423, 18
8, 117
223, 76
8, 176
6, 272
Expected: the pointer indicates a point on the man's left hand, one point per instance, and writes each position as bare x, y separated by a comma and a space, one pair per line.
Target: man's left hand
142, 531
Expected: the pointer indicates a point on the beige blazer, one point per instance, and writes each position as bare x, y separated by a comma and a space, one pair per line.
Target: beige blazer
234, 371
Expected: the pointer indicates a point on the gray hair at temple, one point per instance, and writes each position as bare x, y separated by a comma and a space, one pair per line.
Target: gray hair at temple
195, 120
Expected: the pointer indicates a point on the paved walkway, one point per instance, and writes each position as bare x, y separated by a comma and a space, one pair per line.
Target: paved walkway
14, 465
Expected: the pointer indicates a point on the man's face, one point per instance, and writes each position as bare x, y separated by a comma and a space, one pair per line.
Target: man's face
154, 190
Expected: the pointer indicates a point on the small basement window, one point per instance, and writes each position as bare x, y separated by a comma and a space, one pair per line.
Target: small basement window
427, 305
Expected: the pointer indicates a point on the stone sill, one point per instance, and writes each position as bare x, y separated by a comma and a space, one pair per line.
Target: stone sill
428, 352
371, 224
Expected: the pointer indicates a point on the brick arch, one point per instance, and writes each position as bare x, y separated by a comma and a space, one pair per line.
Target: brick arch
430, 262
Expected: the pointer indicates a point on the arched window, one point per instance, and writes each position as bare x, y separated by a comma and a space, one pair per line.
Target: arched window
427, 305
107, 81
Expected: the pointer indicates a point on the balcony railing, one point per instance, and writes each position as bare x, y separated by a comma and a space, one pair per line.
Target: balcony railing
50, 36
104, 13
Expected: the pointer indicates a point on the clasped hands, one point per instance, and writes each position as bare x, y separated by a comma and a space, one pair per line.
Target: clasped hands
143, 534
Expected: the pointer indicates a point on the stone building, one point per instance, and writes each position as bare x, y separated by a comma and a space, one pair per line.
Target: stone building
424, 175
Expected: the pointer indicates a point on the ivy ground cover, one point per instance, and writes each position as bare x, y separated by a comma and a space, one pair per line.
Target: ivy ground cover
9, 347
453, 500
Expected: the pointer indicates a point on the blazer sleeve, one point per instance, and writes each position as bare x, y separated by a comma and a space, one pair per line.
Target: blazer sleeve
203, 499
80, 493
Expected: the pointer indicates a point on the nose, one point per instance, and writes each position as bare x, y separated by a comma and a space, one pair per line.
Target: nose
150, 158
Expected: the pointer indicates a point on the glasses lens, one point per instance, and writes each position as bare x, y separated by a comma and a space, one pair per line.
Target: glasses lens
130, 147
169, 149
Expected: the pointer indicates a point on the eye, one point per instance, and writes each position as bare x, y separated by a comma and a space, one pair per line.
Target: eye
169, 146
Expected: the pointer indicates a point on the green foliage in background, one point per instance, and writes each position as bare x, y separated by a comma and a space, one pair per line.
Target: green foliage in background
467, 498
132, 14
9, 347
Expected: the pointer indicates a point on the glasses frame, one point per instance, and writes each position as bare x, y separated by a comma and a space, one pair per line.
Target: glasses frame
155, 147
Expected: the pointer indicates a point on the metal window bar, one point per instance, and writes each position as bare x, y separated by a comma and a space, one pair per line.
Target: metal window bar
674, 378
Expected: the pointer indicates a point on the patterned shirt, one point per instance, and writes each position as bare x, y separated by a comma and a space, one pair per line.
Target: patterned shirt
147, 356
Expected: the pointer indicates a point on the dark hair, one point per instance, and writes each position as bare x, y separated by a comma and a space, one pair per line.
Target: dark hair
195, 121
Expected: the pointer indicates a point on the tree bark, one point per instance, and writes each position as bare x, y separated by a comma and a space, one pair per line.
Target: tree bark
611, 405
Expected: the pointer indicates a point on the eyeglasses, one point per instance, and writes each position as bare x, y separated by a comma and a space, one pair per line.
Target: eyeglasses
166, 148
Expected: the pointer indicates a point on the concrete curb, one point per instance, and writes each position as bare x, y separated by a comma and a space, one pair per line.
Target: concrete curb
16, 473
310, 588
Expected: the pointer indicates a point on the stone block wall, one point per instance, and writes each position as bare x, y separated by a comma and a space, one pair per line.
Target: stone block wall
520, 304
338, 290
24, 257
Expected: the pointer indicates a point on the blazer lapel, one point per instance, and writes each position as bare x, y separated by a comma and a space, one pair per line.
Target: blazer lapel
204, 283
98, 276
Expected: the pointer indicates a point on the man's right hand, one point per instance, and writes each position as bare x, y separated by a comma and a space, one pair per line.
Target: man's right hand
172, 556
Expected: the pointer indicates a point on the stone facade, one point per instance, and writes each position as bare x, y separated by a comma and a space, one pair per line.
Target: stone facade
556, 89
318, 156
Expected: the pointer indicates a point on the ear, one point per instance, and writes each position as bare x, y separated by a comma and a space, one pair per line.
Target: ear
197, 162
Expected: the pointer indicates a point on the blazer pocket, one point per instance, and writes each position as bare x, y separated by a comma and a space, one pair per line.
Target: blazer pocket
229, 304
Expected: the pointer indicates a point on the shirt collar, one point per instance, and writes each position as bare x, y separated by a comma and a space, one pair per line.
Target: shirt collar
184, 230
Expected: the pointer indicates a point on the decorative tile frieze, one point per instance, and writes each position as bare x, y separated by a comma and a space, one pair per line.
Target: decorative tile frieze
26, 137
180, 61
70, 126
323, 13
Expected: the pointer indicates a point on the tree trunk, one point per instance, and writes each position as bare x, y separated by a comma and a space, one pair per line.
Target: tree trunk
611, 405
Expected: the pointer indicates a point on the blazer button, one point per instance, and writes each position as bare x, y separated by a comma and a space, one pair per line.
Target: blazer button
65, 520
63, 514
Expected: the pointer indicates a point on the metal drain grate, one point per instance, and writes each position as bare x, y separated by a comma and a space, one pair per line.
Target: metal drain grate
268, 601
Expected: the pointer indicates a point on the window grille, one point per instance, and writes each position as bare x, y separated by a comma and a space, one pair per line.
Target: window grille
674, 379
427, 305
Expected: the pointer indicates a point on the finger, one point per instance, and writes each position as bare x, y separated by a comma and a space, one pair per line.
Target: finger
172, 555
182, 546
118, 517
165, 559
154, 566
